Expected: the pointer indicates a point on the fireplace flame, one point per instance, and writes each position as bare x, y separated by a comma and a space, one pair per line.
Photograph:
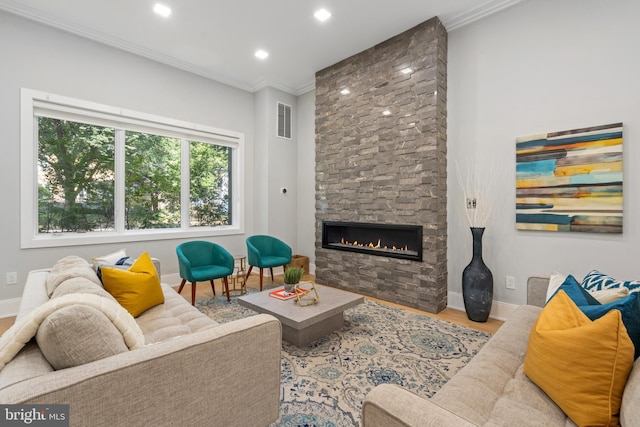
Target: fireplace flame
372, 245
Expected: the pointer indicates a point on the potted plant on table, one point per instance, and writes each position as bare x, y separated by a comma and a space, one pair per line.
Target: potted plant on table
292, 276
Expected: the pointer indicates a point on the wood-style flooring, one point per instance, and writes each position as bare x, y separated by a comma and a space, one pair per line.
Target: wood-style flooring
203, 291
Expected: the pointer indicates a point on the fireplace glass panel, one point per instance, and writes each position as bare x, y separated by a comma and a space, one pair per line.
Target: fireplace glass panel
390, 240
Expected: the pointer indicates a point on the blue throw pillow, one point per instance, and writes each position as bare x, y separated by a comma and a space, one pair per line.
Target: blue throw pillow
628, 306
630, 309
576, 292
597, 281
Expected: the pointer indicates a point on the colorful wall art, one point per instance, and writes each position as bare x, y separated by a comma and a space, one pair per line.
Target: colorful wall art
570, 180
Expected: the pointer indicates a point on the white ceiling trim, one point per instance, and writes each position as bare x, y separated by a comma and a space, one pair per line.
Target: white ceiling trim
477, 13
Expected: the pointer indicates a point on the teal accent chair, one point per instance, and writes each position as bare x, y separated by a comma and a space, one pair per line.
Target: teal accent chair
200, 260
267, 252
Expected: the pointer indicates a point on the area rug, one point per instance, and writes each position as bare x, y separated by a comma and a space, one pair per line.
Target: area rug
324, 384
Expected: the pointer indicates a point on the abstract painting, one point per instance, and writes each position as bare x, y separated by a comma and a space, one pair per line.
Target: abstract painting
570, 180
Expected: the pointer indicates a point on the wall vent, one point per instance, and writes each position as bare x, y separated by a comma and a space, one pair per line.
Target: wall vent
284, 120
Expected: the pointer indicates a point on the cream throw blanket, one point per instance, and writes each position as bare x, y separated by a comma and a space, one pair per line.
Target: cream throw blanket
15, 338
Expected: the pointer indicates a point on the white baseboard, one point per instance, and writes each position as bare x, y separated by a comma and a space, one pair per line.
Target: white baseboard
9, 307
499, 310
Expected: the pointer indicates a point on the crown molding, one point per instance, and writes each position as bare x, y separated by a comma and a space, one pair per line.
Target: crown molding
482, 11
306, 88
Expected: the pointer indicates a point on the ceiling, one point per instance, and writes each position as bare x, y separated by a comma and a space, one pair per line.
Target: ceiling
218, 39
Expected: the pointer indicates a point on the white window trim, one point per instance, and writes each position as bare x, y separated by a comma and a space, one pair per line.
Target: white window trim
32, 101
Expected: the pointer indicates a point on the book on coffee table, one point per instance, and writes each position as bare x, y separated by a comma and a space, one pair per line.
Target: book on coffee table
282, 295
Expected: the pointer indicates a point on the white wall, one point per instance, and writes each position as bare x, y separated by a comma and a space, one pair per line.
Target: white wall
306, 119
38, 57
538, 67
276, 168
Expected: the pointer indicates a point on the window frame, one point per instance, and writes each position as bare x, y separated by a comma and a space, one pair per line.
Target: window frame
35, 103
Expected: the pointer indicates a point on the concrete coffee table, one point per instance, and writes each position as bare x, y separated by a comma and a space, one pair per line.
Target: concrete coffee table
303, 325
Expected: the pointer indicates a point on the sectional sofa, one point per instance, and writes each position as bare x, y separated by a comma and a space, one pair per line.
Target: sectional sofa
185, 369
492, 390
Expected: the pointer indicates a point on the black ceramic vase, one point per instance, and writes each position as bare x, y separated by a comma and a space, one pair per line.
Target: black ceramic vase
477, 282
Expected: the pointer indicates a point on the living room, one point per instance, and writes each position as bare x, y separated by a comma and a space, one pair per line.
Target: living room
534, 67
504, 82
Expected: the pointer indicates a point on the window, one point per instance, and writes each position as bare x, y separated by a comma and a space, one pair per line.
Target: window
94, 174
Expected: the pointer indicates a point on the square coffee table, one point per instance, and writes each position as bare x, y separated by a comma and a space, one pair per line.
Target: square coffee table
303, 325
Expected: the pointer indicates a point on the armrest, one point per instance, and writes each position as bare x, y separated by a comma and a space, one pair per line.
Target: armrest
537, 290
229, 373
389, 405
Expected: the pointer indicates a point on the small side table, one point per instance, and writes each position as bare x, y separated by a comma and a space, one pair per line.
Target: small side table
237, 281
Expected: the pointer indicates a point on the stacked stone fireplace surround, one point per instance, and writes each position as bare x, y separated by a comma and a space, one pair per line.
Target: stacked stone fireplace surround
390, 169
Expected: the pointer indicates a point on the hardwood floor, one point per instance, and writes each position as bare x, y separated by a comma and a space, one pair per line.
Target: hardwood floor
203, 291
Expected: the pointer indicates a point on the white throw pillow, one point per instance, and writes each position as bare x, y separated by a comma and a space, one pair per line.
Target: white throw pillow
606, 296
555, 281
108, 259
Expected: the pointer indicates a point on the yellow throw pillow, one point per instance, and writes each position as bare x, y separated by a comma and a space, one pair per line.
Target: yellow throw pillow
136, 289
581, 364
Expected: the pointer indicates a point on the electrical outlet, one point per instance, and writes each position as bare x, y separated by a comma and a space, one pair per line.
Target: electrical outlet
12, 278
510, 282
471, 203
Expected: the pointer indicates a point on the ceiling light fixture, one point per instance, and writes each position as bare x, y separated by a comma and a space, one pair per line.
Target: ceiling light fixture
162, 10
406, 70
322, 15
261, 54
345, 91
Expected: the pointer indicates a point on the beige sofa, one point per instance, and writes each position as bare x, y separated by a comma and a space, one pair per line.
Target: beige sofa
492, 389
191, 371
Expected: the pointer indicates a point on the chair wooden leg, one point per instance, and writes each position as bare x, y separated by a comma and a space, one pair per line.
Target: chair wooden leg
193, 293
213, 287
271, 270
248, 273
260, 280
226, 287
182, 285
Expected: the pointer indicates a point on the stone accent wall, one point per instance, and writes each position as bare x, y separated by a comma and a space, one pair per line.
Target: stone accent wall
372, 167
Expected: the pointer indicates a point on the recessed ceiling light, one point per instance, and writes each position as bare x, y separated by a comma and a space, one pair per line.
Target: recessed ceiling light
386, 112
162, 10
345, 91
322, 15
406, 70
261, 54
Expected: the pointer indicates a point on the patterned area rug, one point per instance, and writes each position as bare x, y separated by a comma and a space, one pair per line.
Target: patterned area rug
324, 384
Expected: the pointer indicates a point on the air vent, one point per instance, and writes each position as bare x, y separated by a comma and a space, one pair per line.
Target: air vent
284, 120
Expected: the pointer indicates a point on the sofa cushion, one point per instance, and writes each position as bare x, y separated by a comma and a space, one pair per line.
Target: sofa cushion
138, 288
172, 319
588, 388
475, 391
597, 281
67, 268
78, 334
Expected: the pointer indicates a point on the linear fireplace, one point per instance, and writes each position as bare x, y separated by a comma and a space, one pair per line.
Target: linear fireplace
390, 240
